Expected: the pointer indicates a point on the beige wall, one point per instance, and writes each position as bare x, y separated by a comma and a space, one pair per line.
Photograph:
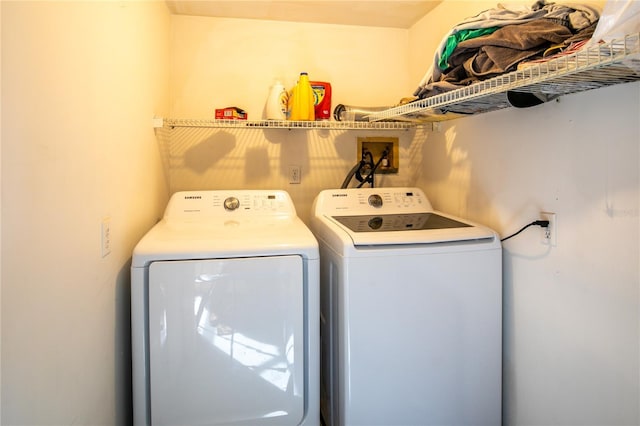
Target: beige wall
571, 312
0, 220
80, 84
219, 62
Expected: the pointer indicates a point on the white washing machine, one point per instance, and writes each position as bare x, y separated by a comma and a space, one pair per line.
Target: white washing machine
225, 313
411, 311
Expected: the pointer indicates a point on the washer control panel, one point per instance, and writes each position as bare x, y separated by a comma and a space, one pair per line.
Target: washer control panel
396, 200
375, 200
205, 204
372, 201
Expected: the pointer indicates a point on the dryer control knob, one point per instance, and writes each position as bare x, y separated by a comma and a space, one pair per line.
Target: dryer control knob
231, 203
375, 200
375, 222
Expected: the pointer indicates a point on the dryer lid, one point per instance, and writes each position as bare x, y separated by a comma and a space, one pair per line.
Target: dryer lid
226, 223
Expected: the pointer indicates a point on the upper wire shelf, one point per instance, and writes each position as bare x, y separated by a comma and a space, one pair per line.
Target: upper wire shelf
290, 125
600, 65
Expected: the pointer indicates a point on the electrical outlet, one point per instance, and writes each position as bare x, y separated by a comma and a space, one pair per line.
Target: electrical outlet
550, 233
377, 146
294, 174
105, 227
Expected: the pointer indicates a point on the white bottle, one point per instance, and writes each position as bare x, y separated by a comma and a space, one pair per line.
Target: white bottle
277, 102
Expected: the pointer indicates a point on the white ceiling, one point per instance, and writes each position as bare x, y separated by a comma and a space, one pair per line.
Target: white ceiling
373, 13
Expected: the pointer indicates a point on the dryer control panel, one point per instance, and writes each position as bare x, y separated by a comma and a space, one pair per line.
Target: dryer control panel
225, 203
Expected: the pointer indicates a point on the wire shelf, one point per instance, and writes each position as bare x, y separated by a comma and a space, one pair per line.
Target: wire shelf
590, 68
289, 125
593, 67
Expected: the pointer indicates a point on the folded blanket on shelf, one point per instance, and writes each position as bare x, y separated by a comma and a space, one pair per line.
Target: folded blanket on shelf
496, 53
567, 47
572, 17
454, 39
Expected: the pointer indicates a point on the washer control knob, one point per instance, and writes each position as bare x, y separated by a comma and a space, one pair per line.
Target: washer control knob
231, 203
375, 200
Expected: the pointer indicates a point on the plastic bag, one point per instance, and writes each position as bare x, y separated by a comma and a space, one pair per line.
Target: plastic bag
618, 19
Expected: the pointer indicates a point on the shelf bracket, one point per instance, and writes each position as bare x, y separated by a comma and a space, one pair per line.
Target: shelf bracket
157, 122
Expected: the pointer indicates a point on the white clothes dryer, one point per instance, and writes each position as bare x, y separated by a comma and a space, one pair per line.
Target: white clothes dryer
225, 313
411, 311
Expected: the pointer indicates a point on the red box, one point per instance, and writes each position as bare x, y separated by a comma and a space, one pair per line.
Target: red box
231, 113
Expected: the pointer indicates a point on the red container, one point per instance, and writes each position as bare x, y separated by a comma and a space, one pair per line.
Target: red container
321, 99
231, 113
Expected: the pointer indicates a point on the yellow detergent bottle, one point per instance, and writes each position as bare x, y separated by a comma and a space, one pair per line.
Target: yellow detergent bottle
301, 101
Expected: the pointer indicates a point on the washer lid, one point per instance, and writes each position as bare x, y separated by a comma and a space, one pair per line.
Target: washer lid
389, 216
398, 222
403, 229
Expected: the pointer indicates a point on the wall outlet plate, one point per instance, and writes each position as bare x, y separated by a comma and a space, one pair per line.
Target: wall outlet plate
294, 174
550, 233
105, 240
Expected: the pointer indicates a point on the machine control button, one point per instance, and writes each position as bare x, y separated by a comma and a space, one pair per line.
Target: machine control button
375, 200
375, 222
231, 203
